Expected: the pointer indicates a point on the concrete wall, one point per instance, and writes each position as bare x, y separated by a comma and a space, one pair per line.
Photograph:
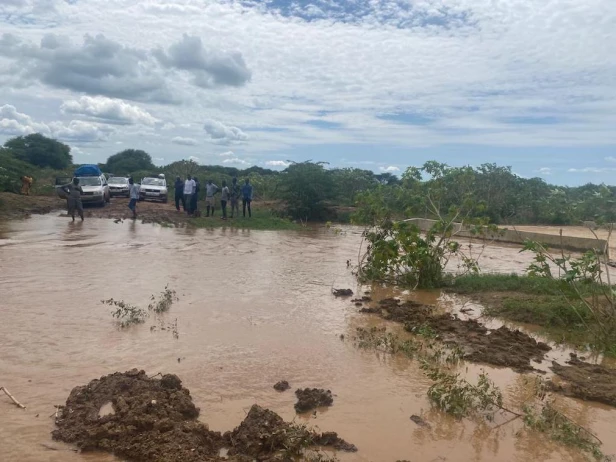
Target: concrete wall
553, 241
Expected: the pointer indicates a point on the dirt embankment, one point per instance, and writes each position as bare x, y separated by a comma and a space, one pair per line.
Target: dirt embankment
500, 347
586, 381
149, 419
15, 206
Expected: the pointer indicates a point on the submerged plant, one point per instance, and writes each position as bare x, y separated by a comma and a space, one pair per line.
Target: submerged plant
126, 314
164, 302
561, 429
460, 398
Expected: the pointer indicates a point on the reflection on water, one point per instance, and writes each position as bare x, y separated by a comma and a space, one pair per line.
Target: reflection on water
255, 308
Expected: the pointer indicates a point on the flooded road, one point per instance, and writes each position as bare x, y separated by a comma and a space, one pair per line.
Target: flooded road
254, 308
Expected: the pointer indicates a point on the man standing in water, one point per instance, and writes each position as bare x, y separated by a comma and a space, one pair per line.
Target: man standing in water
210, 190
133, 191
247, 197
73, 202
224, 197
189, 189
235, 197
179, 193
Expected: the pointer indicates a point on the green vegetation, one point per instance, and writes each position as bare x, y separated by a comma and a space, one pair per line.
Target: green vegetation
261, 220
40, 151
164, 301
129, 160
127, 315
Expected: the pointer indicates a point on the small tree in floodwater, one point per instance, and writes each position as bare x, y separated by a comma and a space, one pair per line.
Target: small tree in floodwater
399, 252
586, 284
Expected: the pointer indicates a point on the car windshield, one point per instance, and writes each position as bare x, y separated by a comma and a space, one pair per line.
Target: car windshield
89, 181
117, 180
153, 181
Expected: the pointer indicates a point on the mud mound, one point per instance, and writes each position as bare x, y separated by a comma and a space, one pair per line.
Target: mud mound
283, 385
342, 292
501, 347
263, 433
140, 418
590, 382
151, 420
312, 398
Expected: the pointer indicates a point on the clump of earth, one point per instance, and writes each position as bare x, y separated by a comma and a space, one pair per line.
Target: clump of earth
500, 347
583, 380
309, 399
141, 418
283, 385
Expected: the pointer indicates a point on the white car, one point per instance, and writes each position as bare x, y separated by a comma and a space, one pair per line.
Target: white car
118, 186
154, 188
95, 190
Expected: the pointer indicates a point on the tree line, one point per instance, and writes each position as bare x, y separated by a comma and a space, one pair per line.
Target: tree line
313, 191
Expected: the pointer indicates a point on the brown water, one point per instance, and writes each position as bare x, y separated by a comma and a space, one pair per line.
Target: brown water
254, 308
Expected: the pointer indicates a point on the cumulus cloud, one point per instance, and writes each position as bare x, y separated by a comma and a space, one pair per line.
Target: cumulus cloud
77, 130
277, 163
226, 154
545, 171
209, 67
194, 159
184, 141
223, 134
610, 159
15, 123
235, 160
99, 66
389, 169
113, 111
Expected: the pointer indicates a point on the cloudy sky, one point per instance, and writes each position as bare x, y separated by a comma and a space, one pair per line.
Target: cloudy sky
377, 84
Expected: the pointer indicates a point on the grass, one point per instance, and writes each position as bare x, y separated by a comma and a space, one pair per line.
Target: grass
548, 303
261, 220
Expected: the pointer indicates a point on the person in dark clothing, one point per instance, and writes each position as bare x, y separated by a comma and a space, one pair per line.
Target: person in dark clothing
73, 202
179, 194
247, 197
195, 196
235, 197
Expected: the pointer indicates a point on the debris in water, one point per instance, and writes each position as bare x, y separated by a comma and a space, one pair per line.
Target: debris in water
283, 385
342, 292
419, 421
312, 398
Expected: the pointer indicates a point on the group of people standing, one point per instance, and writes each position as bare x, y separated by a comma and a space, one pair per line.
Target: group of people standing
187, 193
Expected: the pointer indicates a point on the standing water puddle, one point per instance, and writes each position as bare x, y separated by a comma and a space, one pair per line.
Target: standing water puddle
254, 308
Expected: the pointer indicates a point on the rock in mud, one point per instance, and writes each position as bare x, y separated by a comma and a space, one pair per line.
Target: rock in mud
342, 292
591, 382
283, 385
332, 440
419, 421
500, 347
312, 398
153, 419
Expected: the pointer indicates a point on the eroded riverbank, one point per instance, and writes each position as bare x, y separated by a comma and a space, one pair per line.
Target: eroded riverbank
255, 308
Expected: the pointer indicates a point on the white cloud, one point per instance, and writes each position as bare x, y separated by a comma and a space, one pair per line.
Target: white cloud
226, 154
545, 171
389, 169
277, 163
77, 130
223, 134
113, 111
592, 170
610, 159
235, 160
15, 123
184, 141
194, 159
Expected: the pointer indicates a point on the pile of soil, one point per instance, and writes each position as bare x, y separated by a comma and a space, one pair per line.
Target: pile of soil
153, 419
591, 382
501, 347
312, 398
283, 385
342, 292
15, 206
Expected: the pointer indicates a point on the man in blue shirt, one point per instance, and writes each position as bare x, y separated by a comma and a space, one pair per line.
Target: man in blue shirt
247, 197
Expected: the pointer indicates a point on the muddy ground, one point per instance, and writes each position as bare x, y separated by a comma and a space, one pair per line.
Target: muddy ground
154, 419
309, 399
500, 347
585, 381
15, 206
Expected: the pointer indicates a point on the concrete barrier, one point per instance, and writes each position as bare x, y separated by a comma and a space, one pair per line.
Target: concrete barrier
512, 236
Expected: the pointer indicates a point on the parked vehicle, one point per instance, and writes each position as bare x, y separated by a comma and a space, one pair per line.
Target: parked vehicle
95, 189
154, 188
118, 186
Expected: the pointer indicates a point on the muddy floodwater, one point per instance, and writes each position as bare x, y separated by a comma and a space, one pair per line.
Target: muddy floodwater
255, 307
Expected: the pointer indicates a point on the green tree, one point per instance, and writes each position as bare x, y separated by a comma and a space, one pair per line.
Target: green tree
129, 161
306, 187
41, 151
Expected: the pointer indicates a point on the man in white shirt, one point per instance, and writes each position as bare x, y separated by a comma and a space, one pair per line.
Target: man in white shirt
189, 190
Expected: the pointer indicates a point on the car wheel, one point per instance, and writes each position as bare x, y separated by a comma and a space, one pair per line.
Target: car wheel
165, 200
